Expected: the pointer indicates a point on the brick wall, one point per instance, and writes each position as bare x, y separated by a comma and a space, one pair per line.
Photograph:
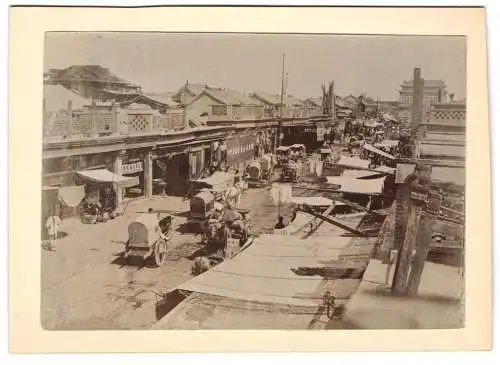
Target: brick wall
170, 121
57, 124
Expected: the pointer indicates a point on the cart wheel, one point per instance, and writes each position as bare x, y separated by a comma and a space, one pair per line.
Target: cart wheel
160, 253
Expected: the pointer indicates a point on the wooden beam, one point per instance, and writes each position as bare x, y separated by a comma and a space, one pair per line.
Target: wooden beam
338, 196
405, 253
335, 223
423, 245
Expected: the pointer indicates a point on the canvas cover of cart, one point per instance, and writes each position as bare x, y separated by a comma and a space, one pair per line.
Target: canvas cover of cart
145, 239
200, 207
298, 151
218, 184
259, 170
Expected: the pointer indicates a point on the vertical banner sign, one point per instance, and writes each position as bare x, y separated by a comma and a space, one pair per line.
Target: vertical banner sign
320, 132
232, 248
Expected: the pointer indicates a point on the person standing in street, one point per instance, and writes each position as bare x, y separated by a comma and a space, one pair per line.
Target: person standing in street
280, 224
52, 226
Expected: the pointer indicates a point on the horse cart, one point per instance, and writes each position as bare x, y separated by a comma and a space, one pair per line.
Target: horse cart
298, 152
148, 238
202, 206
237, 223
260, 171
283, 155
290, 172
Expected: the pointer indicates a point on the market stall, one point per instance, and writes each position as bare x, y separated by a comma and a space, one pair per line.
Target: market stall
101, 189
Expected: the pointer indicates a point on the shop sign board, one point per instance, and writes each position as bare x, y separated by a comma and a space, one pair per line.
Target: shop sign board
132, 168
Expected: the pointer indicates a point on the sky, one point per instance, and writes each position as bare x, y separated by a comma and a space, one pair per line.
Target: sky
162, 62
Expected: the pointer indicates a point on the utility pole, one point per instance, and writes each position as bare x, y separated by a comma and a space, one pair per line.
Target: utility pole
281, 102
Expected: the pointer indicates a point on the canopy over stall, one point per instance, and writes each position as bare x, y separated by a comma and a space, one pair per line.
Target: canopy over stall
216, 179
265, 268
388, 117
353, 162
352, 185
386, 169
315, 201
106, 176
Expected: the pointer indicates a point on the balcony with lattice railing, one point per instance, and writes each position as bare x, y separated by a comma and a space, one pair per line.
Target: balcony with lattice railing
78, 124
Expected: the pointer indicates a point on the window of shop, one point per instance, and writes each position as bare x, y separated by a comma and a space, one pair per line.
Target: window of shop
219, 110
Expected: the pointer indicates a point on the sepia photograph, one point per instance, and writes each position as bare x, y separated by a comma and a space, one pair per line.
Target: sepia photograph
253, 181
198, 179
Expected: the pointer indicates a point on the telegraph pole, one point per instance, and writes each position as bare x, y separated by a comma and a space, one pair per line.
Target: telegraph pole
281, 101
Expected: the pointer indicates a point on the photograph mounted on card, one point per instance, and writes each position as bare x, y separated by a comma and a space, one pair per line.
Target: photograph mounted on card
254, 176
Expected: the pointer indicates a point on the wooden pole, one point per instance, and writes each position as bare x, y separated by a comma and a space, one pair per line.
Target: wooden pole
423, 246
418, 189
94, 118
70, 118
281, 100
114, 115
405, 253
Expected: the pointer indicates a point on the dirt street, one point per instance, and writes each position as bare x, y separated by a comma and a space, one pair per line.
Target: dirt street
85, 284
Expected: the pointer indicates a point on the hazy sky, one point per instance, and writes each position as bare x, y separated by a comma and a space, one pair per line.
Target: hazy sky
161, 62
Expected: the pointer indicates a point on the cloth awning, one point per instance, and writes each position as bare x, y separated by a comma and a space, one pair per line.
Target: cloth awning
389, 117
387, 169
373, 149
106, 176
218, 178
352, 185
353, 162
315, 201
71, 196
263, 272
357, 173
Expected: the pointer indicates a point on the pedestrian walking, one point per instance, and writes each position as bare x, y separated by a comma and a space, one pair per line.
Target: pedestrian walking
52, 226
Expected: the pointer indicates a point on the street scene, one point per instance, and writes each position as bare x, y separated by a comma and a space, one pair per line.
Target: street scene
252, 181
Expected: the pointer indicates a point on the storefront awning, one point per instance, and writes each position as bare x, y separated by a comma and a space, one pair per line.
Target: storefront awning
106, 176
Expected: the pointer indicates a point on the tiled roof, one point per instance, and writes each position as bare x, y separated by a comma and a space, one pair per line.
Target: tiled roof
275, 99
164, 98
87, 73
231, 97
316, 101
196, 87
427, 83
